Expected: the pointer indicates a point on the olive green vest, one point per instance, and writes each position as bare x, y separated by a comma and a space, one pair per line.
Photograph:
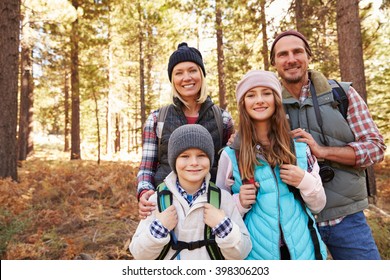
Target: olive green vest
346, 193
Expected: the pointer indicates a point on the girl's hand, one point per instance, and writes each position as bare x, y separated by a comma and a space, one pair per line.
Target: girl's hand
248, 194
291, 174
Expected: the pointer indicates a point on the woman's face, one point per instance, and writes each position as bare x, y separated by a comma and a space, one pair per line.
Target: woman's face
260, 104
187, 79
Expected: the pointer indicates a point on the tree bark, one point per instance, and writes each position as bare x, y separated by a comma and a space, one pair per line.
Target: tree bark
66, 111
75, 133
9, 57
351, 60
350, 45
264, 49
220, 56
25, 142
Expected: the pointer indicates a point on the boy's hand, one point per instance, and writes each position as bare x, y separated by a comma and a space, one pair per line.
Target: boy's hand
145, 207
168, 217
212, 216
248, 194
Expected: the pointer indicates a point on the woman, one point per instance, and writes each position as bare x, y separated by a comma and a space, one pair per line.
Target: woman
275, 179
191, 104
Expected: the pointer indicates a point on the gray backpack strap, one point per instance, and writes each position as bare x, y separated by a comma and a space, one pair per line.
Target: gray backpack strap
218, 118
160, 125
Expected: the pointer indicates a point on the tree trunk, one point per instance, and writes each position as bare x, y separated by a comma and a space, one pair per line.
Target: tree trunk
264, 49
350, 45
141, 67
66, 109
25, 142
351, 61
9, 55
75, 133
220, 56
299, 17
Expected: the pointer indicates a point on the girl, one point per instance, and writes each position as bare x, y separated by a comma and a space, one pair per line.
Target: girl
274, 179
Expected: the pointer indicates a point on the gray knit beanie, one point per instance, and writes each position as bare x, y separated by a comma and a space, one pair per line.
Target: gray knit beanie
186, 137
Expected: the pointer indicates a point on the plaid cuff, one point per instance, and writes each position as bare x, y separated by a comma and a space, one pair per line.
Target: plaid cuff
158, 230
223, 228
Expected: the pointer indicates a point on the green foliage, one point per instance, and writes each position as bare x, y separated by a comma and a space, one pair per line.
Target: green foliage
117, 37
10, 225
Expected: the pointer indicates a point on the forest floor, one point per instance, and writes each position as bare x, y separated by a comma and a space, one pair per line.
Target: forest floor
63, 210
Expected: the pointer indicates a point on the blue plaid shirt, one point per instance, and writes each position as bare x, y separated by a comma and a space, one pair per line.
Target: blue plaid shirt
221, 230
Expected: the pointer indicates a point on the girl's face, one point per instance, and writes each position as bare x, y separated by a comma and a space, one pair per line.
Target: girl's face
260, 104
187, 79
192, 166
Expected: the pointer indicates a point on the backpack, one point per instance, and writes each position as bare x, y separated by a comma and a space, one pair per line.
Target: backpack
163, 114
164, 200
340, 95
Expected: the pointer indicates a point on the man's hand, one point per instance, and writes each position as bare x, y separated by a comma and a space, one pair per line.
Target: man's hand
291, 174
168, 217
231, 139
145, 207
248, 194
300, 135
212, 216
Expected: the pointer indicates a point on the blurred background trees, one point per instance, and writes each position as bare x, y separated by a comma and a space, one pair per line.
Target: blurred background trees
91, 71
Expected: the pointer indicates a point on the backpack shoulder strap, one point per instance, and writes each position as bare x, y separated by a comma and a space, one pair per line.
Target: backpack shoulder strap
160, 125
310, 221
214, 198
218, 118
339, 91
164, 200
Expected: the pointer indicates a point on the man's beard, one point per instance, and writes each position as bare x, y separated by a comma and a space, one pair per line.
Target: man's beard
292, 80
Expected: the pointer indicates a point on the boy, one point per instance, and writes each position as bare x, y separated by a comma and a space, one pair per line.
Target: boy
190, 155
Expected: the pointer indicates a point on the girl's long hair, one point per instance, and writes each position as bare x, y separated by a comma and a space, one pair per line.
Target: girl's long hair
277, 153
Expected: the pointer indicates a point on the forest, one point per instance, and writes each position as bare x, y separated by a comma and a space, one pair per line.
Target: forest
78, 79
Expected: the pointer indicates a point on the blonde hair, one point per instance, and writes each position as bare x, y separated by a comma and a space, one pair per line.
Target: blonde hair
277, 153
203, 90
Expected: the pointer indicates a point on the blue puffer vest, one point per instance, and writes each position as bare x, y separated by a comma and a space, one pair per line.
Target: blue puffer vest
277, 210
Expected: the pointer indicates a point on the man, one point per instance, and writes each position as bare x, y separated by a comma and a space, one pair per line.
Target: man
345, 146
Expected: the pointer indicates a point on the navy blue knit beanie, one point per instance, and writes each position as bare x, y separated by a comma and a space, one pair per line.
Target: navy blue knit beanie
182, 54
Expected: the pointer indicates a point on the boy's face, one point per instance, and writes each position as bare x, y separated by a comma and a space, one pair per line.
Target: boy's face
192, 166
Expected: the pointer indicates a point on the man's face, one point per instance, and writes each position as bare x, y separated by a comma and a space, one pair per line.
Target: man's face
291, 60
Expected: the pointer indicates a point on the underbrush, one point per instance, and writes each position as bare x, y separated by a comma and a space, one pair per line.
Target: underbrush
64, 210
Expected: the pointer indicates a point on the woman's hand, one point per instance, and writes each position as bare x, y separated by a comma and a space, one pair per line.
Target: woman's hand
145, 207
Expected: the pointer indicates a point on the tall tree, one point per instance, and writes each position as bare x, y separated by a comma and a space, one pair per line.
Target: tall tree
220, 55
9, 46
25, 142
350, 45
351, 56
264, 49
75, 82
